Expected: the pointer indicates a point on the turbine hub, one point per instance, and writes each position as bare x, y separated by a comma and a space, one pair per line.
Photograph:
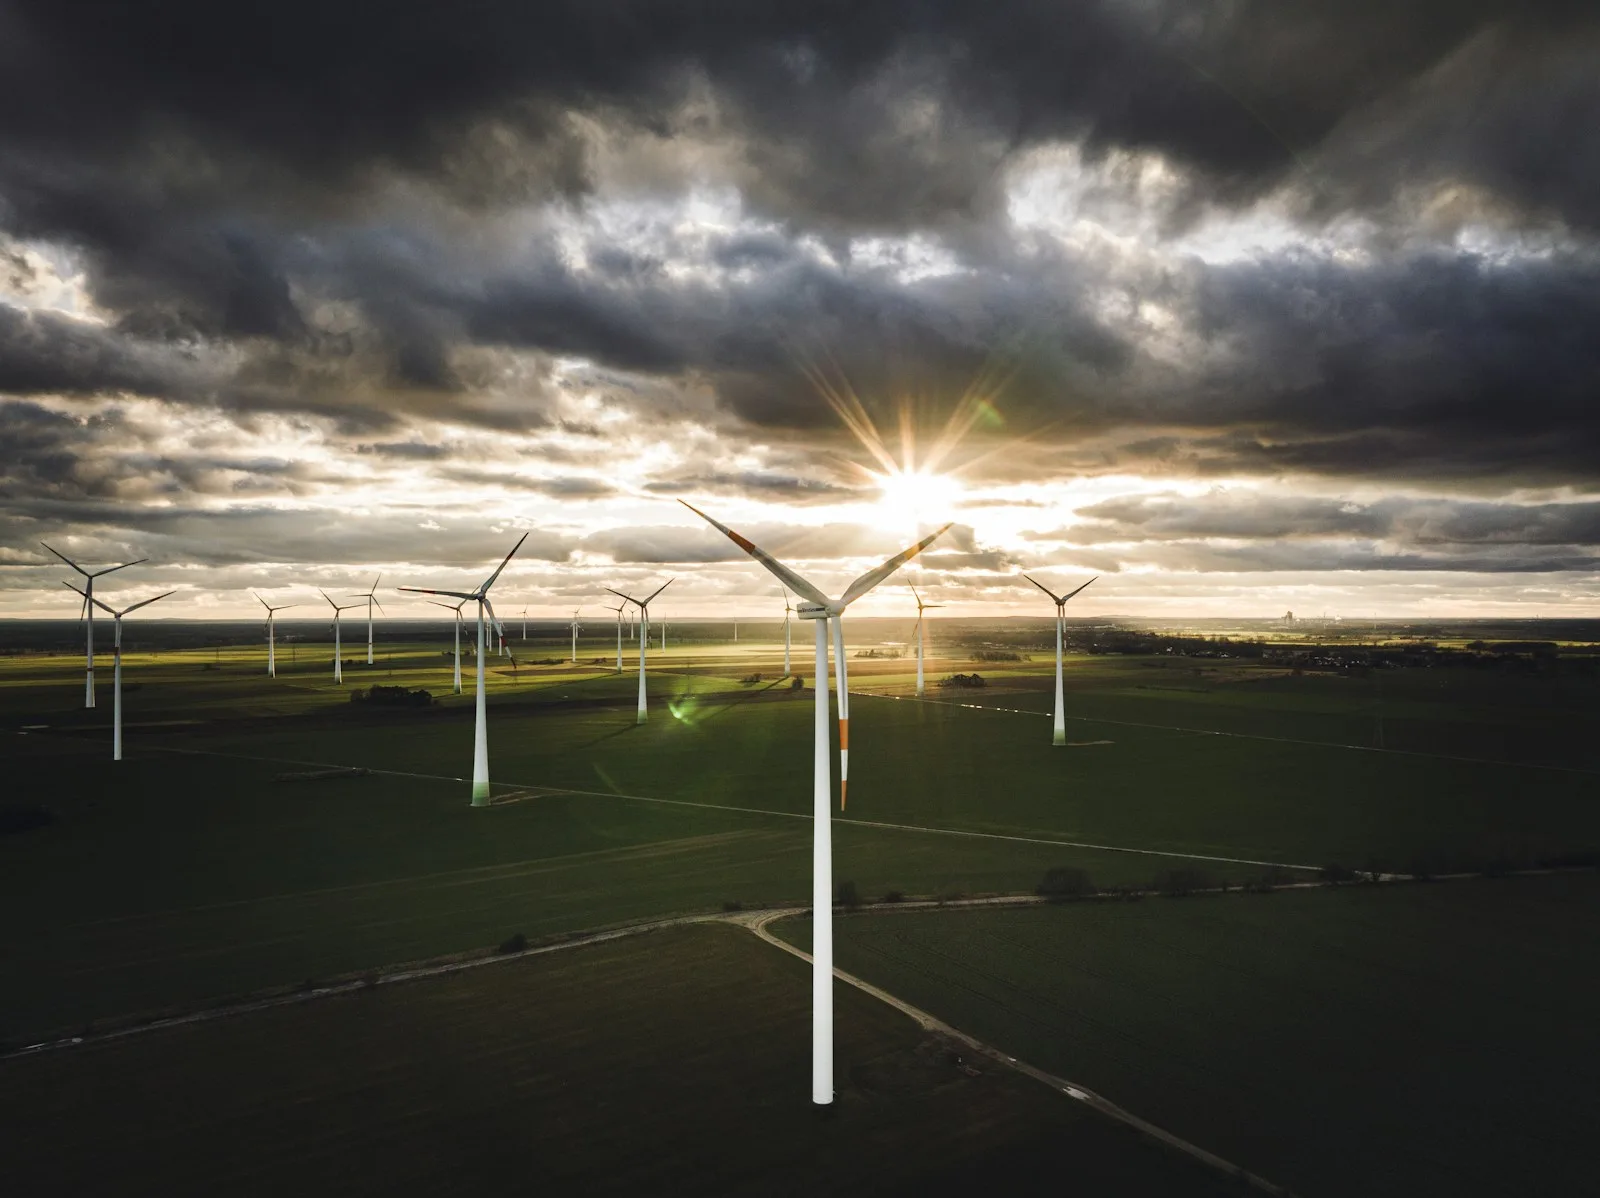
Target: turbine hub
811, 611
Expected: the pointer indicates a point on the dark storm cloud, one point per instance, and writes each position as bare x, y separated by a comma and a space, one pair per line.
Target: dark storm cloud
570, 487
1250, 516
786, 487
228, 182
435, 543
41, 352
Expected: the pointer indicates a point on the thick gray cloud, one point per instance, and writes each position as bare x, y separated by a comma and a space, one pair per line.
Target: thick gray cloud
409, 224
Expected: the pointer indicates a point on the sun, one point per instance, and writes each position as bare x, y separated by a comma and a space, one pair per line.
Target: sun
911, 499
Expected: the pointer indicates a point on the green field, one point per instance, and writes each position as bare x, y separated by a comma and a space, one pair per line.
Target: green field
1409, 1039
186, 872
676, 1062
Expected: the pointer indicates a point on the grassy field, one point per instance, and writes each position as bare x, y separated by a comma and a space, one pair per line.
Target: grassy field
676, 1062
187, 872
1415, 1039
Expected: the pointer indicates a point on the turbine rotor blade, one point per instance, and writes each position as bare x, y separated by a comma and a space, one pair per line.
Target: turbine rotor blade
782, 572
110, 569
620, 595
873, 577
489, 582
1070, 594
1054, 598
660, 588
69, 561
461, 595
146, 602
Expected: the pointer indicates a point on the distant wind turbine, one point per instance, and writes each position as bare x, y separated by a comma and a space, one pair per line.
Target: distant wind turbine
455, 607
1061, 618
480, 736
817, 606
575, 626
787, 608
371, 596
116, 658
644, 639
524, 621
87, 615
922, 607
338, 649
272, 649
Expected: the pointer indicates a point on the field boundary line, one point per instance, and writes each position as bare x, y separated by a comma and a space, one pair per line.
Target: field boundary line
931, 1023
1281, 740
554, 791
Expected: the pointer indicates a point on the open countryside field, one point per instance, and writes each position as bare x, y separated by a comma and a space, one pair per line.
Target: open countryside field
667, 1063
187, 872
1408, 1039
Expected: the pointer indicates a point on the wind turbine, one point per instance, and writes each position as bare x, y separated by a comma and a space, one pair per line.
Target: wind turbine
824, 611
619, 609
524, 621
644, 638
455, 607
1061, 616
480, 735
88, 615
116, 659
575, 612
371, 596
922, 607
272, 649
338, 649
786, 610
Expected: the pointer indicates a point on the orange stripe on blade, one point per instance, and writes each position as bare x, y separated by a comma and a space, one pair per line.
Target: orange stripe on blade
844, 736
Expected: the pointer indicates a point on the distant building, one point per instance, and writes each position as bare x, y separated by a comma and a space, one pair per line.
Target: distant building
1288, 617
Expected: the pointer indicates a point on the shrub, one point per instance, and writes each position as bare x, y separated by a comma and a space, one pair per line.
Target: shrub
1336, 873
392, 696
894, 896
965, 680
731, 905
848, 896
1064, 882
750, 679
799, 683
513, 944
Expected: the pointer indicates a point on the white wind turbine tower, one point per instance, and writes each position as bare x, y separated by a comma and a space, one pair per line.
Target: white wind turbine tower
575, 612
455, 607
1060, 735
338, 643
644, 638
88, 615
824, 611
524, 621
921, 652
371, 596
272, 647
787, 608
480, 736
116, 659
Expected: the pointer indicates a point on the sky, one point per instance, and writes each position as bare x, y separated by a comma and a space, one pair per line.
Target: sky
1244, 307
